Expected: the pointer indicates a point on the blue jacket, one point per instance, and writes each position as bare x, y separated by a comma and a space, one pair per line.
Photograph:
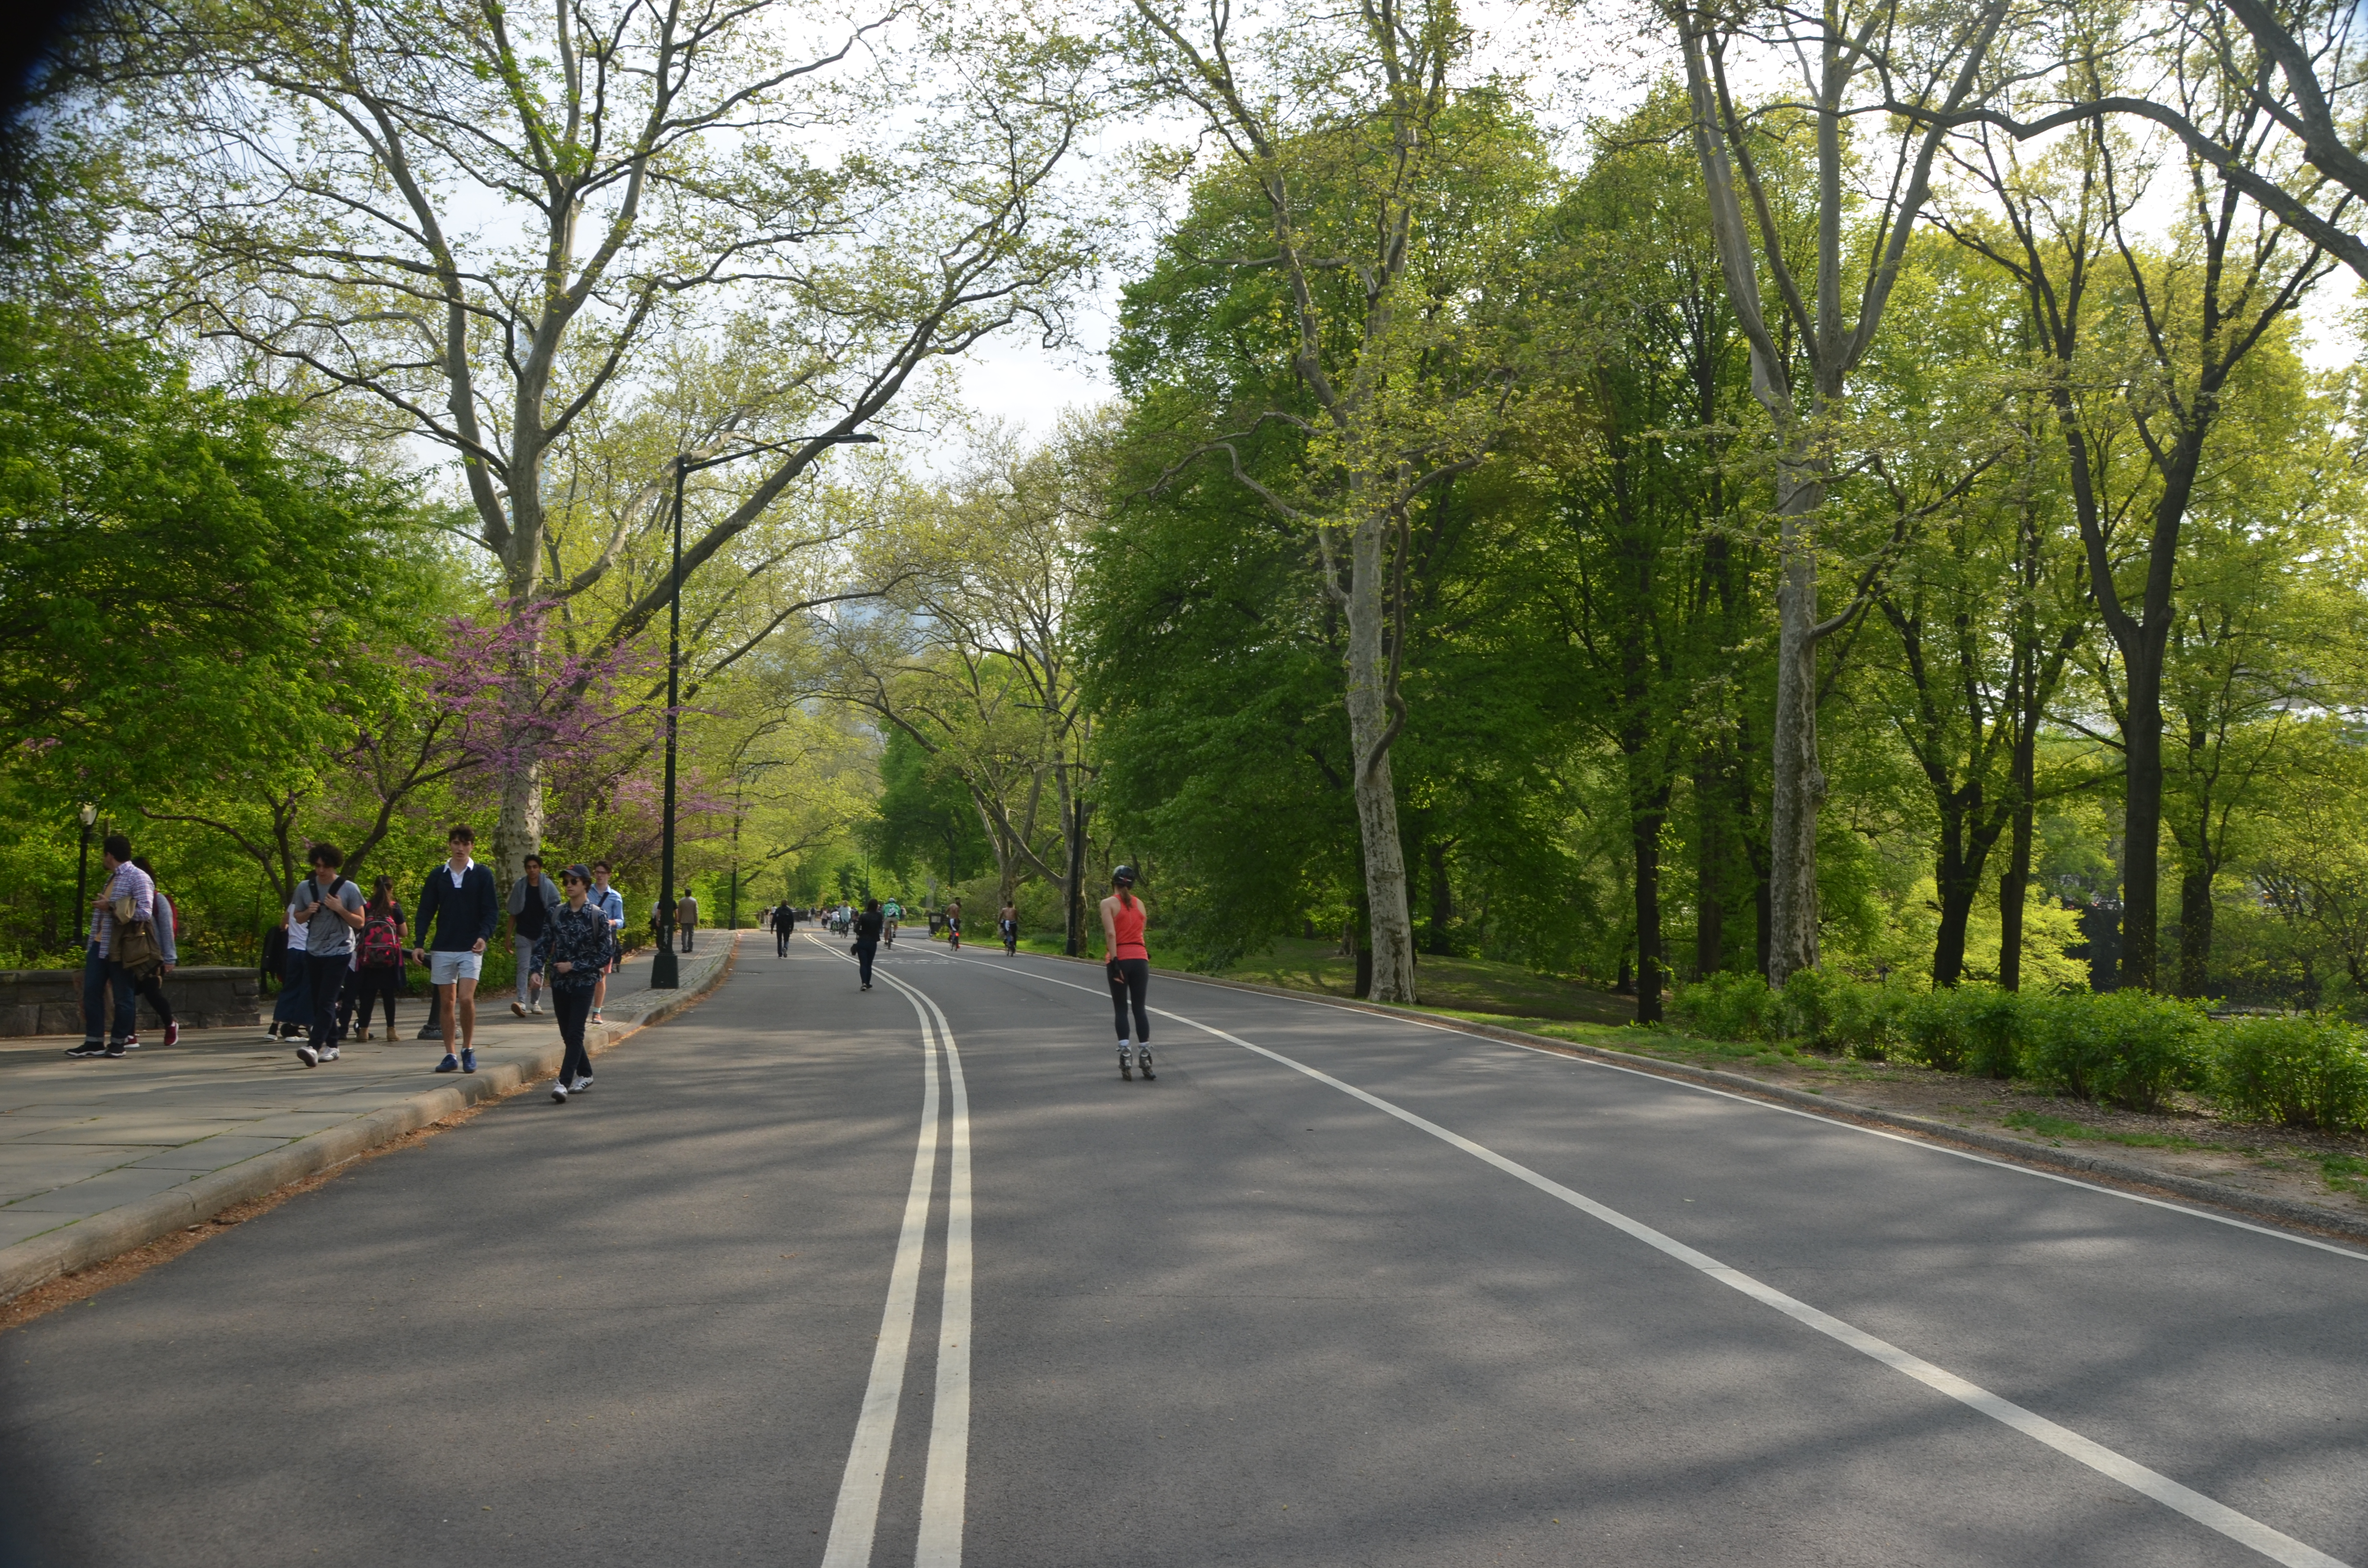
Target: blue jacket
463, 916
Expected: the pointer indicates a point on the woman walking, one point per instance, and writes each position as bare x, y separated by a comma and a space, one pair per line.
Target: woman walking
1129, 968
578, 944
377, 965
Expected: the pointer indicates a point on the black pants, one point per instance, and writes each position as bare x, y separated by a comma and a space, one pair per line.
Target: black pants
324, 973
370, 986
780, 941
863, 955
574, 1005
151, 991
1129, 979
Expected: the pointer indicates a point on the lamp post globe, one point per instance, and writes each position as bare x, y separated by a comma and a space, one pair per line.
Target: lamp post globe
89, 814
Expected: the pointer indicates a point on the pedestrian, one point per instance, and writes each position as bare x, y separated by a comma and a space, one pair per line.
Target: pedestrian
1129, 966
611, 903
867, 940
151, 985
1006, 924
128, 894
533, 900
271, 964
661, 928
953, 923
378, 957
785, 920
686, 914
460, 901
329, 908
580, 948
292, 1014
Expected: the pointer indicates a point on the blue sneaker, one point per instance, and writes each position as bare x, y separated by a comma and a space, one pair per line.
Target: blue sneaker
451, 1063
468, 1059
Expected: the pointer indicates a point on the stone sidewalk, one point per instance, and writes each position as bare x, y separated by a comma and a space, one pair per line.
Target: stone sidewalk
100, 1155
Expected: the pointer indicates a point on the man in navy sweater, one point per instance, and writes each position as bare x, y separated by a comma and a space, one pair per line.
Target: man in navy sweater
461, 905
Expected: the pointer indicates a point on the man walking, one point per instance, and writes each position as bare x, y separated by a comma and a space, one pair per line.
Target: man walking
533, 900
785, 920
101, 974
329, 908
580, 945
461, 905
610, 902
686, 914
867, 940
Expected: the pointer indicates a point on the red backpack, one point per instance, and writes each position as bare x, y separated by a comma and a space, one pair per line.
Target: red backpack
381, 949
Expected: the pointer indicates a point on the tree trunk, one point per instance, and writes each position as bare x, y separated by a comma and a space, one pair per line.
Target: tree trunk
1443, 899
1073, 903
1645, 824
2142, 814
1710, 867
520, 833
2195, 915
1390, 930
2014, 887
1799, 784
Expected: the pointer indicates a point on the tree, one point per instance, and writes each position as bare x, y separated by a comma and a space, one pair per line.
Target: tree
1373, 203
482, 227
1802, 360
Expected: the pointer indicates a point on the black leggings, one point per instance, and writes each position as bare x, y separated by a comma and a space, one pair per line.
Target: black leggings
1129, 979
373, 984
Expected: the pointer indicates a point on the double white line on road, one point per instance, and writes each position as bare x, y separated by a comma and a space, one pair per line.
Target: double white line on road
2243, 1528
856, 1518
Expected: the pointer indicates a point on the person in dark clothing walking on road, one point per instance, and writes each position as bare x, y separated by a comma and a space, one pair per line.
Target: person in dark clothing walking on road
867, 939
102, 972
329, 908
459, 901
785, 920
578, 947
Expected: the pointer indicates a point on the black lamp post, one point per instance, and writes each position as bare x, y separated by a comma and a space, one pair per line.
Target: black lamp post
81, 870
666, 973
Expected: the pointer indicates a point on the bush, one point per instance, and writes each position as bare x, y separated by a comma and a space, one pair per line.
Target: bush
2126, 1047
2306, 1070
1830, 1012
1727, 1007
1966, 1028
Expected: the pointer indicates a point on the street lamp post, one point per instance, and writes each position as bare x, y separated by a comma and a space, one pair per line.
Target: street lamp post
665, 971
81, 870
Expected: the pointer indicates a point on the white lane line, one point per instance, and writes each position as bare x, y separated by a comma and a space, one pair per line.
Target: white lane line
2241, 1528
856, 1517
1912, 1142
946, 1482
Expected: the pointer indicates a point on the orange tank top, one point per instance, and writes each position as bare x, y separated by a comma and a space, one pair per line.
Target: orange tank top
1129, 923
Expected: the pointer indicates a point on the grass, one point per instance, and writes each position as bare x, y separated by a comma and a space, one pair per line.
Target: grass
2047, 1126
1478, 986
2345, 1173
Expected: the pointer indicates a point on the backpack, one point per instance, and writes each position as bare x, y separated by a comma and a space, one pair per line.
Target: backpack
381, 949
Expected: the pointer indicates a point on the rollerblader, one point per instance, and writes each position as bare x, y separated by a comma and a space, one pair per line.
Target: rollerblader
1128, 969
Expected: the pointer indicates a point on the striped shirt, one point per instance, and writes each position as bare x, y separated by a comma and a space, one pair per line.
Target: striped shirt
130, 880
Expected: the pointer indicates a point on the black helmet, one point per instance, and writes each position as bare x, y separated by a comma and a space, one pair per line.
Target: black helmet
1122, 877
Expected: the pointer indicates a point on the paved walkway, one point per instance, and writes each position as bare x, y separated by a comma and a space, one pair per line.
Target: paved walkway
80, 1138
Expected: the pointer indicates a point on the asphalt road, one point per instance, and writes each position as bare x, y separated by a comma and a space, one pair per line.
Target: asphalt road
1453, 1302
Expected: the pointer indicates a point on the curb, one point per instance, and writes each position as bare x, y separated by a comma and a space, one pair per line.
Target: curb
2285, 1212
117, 1231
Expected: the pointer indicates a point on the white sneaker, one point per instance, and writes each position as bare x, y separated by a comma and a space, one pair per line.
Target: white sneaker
536, 1008
584, 1083
559, 1093
330, 1055
308, 1056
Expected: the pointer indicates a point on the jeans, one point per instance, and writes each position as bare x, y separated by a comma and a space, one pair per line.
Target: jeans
528, 947
780, 941
325, 975
863, 953
99, 975
685, 938
574, 1005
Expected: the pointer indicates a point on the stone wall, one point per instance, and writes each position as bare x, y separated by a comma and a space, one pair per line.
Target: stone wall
49, 1001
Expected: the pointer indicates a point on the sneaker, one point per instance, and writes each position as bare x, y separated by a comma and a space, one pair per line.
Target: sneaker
468, 1059
1125, 1065
308, 1056
115, 1050
88, 1048
584, 1083
559, 1093
596, 1016
451, 1063
330, 1055
172, 1034
132, 1043
536, 1008
1142, 1059
519, 1008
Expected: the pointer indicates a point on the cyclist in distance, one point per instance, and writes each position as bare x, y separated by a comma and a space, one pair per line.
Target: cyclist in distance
894, 912
1128, 967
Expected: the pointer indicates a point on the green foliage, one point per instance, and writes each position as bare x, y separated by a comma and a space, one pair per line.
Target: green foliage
2307, 1070
1966, 1028
2125, 1048
1729, 1006
1831, 1012
924, 818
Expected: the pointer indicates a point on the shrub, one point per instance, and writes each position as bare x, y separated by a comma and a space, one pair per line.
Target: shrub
2308, 1070
2128, 1047
1966, 1028
1727, 1007
1832, 1011
1805, 1008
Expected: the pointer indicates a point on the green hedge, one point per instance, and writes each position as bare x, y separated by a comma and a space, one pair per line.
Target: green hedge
2126, 1047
